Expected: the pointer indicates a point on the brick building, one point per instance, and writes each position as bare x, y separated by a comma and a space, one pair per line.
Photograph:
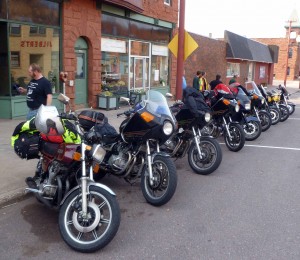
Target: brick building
98, 42
289, 50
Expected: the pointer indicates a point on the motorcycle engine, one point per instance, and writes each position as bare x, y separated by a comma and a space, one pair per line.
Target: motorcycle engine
118, 161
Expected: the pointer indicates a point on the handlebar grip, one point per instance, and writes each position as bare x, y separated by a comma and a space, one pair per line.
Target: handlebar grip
68, 116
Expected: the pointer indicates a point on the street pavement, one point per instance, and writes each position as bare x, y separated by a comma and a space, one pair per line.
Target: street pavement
14, 170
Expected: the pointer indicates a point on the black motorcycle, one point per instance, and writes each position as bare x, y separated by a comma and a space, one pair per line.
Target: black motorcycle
251, 124
135, 153
257, 102
270, 105
224, 105
204, 152
284, 97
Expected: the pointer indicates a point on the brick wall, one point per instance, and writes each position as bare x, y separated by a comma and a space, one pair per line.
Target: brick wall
208, 57
81, 18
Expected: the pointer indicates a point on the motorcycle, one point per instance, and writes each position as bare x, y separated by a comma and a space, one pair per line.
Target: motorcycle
89, 214
224, 106
270, 105
135, 153
251, 124
257, 101
204, 152
284, 97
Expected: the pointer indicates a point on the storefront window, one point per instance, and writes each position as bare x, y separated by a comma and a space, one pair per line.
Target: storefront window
160, 67
114, 63
38, 11
232, 69
41, 47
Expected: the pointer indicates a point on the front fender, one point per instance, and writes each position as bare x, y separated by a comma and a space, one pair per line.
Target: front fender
90, 183
164, 154
252, 118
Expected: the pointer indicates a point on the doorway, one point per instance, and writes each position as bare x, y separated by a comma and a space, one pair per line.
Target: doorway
140, 73
81, 75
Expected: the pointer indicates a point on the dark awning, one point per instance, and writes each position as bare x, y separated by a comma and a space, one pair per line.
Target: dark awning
242, 48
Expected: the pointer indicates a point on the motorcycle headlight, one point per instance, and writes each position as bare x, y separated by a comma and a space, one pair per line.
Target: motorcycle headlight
263, 101
207, 117
247, 106
168, 128
98, 153
237, 108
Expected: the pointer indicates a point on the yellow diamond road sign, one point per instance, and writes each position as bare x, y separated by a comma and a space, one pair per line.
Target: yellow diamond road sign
189, 45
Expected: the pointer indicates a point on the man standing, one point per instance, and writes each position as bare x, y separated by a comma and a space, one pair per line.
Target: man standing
196, 80
38, 90
215, 82
233, 79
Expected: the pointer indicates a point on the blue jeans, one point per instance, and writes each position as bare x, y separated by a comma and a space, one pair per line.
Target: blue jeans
31, 113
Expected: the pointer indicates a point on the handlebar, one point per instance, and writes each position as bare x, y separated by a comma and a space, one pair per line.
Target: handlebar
68, 116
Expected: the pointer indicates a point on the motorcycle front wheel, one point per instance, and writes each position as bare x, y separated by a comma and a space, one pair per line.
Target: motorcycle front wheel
95, 230
291, 107
265, 120
211, 154
252, 130
275, 115
238, 137
284, 112
164, 183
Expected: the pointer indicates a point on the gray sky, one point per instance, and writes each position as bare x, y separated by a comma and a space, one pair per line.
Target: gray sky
249, 18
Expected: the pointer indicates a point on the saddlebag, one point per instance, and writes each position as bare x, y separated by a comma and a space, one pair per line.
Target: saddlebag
89, 118
27, 145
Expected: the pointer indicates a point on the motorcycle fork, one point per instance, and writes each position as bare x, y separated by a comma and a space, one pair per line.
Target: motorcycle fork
197, 141
227, 128
84, 179
149, 160
256, 113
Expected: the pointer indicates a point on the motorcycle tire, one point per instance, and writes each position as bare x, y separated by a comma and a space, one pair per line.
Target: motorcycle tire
291, 107
265, 120
95, 233
211, 156
252, 130
284, 112
275, 115
238, 134
164, 184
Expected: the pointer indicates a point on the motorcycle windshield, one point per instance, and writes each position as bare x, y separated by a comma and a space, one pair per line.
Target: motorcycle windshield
252, 88
156, 104
241, 95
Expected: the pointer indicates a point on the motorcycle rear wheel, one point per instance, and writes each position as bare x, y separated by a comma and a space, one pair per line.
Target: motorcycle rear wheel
284, 112
98, 229
238, 137
165, 181
252, 130
211, 156
265, 120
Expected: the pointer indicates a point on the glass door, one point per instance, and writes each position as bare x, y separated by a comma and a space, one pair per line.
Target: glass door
139, 74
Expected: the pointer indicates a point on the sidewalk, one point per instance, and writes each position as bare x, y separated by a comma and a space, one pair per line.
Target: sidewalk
13, 170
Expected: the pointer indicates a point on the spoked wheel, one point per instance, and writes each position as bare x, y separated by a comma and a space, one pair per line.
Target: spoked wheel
164, 183
90, 232
211, 154
275, 115
238, 137
265, 120
284, 112
252, 130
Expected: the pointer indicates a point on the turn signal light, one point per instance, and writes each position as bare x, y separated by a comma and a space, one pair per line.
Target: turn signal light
77, 156
96, 168
255, 96
226, 102
147, 117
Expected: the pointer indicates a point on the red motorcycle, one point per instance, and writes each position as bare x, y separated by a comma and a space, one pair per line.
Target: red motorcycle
89, 214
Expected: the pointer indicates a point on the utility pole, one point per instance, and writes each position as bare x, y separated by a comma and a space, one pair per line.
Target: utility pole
287, 53
180, 54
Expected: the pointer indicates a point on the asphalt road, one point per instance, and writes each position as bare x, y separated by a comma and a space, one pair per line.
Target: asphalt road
249, 208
